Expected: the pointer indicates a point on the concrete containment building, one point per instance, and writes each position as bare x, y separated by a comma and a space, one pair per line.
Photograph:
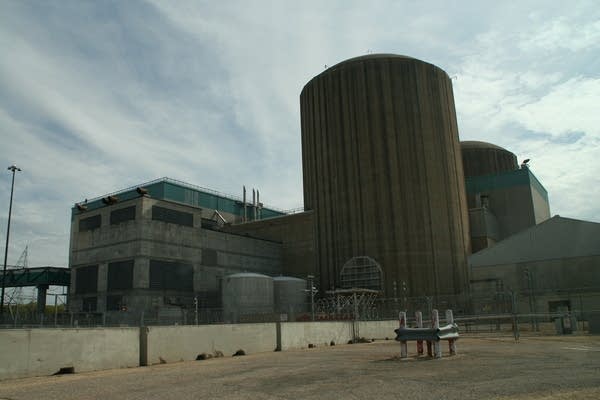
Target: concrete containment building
503, 198
383, 174
481, 158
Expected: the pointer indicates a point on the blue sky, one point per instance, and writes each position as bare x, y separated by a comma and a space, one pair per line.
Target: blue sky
97, 96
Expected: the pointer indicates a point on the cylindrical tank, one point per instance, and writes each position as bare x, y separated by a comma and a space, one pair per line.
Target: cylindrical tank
382, 172
246, 294
481, 158
290, 295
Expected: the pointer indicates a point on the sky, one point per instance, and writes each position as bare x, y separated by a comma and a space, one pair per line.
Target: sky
97, 96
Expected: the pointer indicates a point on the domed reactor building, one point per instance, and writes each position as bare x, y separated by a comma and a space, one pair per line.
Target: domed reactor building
503, 197
383, 174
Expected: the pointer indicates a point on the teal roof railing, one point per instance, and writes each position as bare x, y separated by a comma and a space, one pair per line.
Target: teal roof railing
185, 193
523, 176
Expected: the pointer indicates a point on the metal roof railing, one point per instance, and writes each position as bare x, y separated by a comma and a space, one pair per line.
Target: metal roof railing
193, 187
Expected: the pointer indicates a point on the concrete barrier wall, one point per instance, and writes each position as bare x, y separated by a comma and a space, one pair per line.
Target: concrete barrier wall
36, 352
181, 343
377, 329
298, 335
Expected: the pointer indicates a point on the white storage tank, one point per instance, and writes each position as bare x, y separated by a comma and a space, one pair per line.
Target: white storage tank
246, 296
291, 296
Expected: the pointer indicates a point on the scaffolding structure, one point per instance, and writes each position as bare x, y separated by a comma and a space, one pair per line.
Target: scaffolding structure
361, 272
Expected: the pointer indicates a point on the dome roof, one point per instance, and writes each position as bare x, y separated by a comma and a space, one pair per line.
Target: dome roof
475, 144
369, 57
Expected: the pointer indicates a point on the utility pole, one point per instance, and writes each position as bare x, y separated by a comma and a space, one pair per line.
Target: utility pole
14, 169
196, 308
311, 279
404, 300
55, 309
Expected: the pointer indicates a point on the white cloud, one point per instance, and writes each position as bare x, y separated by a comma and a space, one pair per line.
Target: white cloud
98, 97
520, 90
563, 34
569, 106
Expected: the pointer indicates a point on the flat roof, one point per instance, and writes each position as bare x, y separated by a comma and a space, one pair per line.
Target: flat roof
184, 193
523, 176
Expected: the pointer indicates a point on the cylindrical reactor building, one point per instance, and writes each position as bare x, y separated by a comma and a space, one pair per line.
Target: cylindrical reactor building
481, 158
382, 171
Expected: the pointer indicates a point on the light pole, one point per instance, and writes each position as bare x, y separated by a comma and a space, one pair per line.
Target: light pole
311, 279
14, 169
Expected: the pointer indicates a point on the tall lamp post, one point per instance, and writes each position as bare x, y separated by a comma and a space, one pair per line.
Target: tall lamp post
14, 169
313, 290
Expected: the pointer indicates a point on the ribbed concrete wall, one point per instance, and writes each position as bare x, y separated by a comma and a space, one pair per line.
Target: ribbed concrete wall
294, 232
481, 158
383, 172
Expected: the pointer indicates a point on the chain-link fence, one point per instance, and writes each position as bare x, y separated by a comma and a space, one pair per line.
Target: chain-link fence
500, 313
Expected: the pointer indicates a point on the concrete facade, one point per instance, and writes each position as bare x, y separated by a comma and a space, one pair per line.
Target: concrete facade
35, 352
297, 335
294, 232
183, 343
383, 174
134, 264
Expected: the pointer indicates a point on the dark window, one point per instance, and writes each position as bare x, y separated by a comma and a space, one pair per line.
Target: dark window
166, 275
172, 216
559, 306
122, 215
209, 257
86, 279
114, 303
209, 224
89, 304
120, 275
87, 224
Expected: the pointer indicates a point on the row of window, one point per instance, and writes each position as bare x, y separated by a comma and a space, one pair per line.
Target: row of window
164, 275
113, 303
120, 276
128, 214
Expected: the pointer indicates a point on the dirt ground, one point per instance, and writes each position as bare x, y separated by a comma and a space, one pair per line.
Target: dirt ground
559, 367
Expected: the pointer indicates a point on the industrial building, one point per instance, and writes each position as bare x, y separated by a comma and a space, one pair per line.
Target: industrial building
158, 247
553, 266
393, 202
383, 174
503, 197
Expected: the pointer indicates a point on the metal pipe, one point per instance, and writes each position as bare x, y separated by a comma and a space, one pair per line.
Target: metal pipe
12, 168
258, 204
245, 209
253, 204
